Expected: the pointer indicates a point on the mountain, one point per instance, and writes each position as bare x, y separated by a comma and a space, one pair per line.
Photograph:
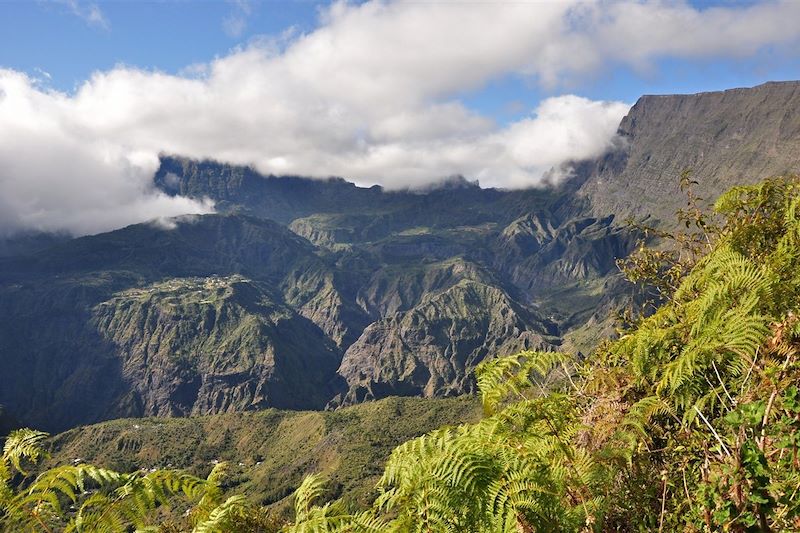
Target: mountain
429, 349
7, 423
152, 320
726, 138
303, 293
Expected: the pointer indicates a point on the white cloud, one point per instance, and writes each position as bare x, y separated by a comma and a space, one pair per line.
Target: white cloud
235, 22
89, 12
56, 174
635, 33
370, 95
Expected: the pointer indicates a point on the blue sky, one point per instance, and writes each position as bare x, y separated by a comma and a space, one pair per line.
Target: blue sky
390, 92
56, 38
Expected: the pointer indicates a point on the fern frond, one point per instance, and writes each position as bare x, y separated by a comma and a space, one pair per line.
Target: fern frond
507, 376
23, 444
220, 518
306, 494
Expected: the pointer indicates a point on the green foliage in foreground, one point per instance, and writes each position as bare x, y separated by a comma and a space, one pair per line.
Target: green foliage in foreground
83, 497
689, 422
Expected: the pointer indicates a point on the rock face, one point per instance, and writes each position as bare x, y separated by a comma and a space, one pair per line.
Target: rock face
305, 293
532, 254
738, 136
7, 422
429, 349
195, 346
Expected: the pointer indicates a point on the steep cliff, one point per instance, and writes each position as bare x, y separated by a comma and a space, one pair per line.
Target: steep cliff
725, 138
431, 349
210, 345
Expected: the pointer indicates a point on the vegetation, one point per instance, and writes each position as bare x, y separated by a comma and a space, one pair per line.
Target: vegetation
83, 497
269, 451
689, 421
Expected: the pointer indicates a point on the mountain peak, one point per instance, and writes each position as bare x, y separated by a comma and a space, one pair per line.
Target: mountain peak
449, 183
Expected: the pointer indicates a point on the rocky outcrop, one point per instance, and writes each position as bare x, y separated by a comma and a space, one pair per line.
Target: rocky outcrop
200, 346
431, 349
315, 294
534, 255
398, 288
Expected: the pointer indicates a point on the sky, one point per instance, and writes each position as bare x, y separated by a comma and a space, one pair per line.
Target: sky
402, 94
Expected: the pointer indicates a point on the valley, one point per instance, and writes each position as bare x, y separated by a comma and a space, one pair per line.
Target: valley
307, 294
386, 266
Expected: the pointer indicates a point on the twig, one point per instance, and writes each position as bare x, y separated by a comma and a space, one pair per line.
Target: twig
685, 485
733, 402
764, 420
714, 431
750, 370
663, 505
569, 377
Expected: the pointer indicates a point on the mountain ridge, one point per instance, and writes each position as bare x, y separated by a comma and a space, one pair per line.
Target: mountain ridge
387, 292
733, 137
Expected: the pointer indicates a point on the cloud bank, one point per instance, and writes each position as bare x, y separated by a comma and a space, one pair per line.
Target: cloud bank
371, 95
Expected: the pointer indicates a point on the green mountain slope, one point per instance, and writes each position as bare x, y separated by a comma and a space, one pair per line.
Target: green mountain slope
153, 320
271, 450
